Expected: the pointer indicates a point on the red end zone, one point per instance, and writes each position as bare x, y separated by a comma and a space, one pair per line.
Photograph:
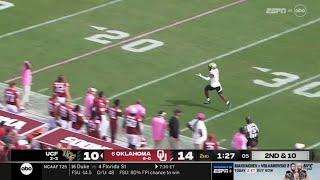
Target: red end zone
76, 140
23, 124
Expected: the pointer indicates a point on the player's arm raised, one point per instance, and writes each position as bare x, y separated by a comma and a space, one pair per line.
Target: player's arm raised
204, 77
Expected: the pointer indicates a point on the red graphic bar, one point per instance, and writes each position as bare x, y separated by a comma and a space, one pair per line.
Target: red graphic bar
138, 155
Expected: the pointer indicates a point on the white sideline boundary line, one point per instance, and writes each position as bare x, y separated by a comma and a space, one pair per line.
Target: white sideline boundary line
58, 19
76, 99
313, 146
216, 58
132, 38
259, 99
42, 90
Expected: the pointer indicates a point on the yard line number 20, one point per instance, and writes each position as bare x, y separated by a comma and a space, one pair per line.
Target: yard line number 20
138, 46
283, 78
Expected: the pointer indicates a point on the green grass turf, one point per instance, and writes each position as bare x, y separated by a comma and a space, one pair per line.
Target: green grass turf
284, 119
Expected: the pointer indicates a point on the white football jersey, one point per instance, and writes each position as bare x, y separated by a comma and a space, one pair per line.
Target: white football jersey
215, 79
252, 130
198, 125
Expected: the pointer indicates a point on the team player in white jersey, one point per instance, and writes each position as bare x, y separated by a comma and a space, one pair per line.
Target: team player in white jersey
252, 133
214, 84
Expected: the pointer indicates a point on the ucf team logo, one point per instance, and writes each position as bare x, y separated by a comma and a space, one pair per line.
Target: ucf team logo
69, 155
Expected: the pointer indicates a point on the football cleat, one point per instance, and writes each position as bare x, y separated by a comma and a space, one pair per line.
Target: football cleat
228, 105
208, 101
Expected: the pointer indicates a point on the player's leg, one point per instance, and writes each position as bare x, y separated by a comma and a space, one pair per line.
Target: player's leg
157, 144
207, 89
132, 141
113, 131
26, 94
104, 127
52, 123
222, 97
12, 108
252, 143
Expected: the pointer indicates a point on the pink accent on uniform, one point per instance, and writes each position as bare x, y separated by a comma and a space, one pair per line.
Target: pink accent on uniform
89, 103
159, 126
26, 76
201, 116
239, 141
141, 110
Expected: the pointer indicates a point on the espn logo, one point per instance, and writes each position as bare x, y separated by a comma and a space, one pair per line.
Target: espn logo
276, 11
26, 169
221, 171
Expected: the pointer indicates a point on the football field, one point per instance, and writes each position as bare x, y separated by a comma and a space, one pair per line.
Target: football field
267, 52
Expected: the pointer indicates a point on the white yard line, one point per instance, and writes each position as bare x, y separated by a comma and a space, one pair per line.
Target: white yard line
313, 146
216, 58
76, 99
259, 99
223, 140
58, 19
43, 90
132, 38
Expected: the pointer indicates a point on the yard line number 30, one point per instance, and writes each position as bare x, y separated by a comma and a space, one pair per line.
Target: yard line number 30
138, 46
284, 78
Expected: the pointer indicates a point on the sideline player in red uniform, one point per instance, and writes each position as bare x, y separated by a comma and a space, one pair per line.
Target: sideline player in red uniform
11, 96
100, 108
141, 114
77, 119
114, 113
133, 129
63, 114
93, 126
211, 143
53, 107
61, 89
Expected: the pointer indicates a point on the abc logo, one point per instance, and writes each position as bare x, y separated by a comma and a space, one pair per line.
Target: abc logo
26, 168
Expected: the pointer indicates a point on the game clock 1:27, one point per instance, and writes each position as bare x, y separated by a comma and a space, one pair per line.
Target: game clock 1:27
225, 156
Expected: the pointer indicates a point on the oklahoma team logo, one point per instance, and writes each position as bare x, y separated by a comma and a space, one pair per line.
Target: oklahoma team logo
26, 168
161, 155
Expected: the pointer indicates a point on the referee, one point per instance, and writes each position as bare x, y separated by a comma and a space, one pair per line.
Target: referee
252, 133
174, 129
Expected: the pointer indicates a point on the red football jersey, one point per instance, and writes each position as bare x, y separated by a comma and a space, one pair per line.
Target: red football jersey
52, 106
100, 105
114, 113
77, 120
93, 128
59, 88
64, 111
211, 145
132, 125
11, 96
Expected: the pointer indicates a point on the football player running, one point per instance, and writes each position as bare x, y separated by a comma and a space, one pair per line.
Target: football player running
214, 84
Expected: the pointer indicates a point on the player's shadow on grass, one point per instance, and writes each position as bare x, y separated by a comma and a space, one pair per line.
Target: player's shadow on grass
190, 103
